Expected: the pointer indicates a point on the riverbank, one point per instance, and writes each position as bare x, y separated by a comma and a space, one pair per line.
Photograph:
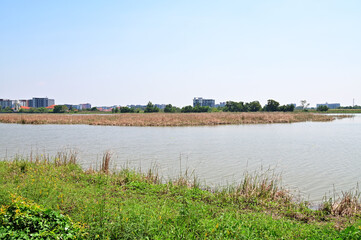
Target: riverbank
132, 205
166, 119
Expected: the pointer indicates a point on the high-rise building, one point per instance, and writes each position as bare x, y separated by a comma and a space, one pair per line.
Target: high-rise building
203, 102
329, 105
84, 106
4, 103
41, 102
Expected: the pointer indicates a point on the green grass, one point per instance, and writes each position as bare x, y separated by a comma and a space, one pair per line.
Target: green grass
131, 205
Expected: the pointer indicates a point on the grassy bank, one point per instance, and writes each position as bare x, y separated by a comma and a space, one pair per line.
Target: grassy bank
132, 205
165, 119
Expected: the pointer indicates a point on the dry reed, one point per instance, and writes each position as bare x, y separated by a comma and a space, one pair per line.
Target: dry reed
348, 204
166, 119
106, 162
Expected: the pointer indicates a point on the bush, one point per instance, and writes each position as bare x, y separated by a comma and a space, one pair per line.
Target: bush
322, 108
23, 219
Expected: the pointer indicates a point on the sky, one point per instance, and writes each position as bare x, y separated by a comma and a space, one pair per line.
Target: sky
131, 52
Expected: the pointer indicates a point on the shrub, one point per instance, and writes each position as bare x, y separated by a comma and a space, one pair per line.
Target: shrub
23, 219
322, 108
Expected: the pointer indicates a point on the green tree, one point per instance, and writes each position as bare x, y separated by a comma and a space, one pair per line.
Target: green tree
150, 108
60, 109
287, 108
42, 110
271, 106
126, 110
169, 109
232, 106
254, 106
304, 105
187, 109
322, 108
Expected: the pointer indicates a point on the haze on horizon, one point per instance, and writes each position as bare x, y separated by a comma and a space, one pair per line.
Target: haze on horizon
132, 52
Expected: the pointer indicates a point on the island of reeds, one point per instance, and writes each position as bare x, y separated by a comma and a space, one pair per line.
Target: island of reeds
167, 119
54, 198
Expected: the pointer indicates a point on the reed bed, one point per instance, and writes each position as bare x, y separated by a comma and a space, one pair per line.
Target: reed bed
167, 119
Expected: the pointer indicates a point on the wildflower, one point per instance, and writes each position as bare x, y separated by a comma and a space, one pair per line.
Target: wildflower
217, 225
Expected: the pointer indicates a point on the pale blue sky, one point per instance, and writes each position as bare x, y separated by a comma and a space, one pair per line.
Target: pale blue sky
132, 52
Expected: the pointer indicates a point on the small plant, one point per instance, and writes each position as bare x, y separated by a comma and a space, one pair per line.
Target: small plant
23, 219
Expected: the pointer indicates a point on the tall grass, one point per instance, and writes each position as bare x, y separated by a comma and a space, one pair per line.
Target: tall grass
128, 204
346, 204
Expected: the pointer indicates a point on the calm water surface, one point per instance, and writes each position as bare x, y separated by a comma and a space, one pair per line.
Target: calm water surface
314, 158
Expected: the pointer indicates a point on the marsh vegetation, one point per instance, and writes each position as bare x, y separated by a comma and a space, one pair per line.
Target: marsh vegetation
167, 119
106, 204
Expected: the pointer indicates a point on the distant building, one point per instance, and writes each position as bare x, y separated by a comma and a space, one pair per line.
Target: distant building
221, 104
72, 106
41, 102
137, 106
160, 106
84, 106
4, 103
24, 102
105, 108
330, 105
203, 102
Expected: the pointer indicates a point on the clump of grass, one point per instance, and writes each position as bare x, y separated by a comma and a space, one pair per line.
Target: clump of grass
348, 204
262, 186
65, 158
106, 162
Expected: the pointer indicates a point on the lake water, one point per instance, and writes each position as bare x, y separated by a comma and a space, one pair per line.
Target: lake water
315, 158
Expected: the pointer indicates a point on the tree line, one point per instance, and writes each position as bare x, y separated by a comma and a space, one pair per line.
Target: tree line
230, 106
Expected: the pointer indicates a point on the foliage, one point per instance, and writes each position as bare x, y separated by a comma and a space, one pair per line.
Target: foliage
287, 108
235, 107
126, 110
34, 110
271, 106
254, 106
231, 106
23, 219
94, 109
196, 109
150, 108
60, 109
322, 108
6, 110
170, 109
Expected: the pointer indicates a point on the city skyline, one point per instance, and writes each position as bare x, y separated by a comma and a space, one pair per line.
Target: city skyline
123, 53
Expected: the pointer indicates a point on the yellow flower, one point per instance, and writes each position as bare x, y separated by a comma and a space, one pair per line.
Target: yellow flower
217, 225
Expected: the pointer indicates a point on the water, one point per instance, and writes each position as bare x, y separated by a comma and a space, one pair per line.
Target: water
314, 158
